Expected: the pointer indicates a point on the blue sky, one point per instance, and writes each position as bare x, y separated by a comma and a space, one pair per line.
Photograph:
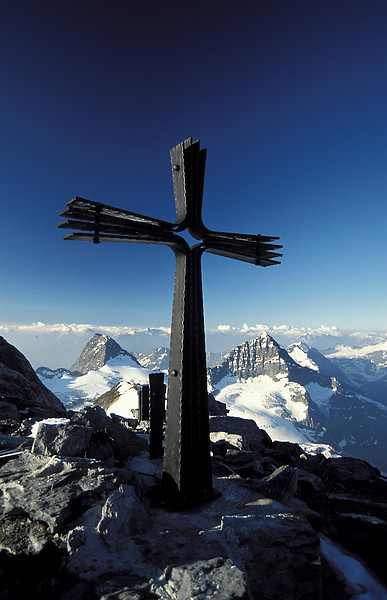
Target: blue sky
290, 100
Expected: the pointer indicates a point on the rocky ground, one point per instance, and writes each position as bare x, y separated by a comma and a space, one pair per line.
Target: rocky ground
82, 517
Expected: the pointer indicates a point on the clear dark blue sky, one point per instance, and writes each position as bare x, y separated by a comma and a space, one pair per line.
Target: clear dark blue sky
289, 97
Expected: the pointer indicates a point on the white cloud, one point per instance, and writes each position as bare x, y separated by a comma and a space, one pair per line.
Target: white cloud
285, 330
78, 329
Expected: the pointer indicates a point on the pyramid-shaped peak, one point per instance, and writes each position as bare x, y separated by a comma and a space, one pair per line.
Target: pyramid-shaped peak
97, 352
264, 339
260, 356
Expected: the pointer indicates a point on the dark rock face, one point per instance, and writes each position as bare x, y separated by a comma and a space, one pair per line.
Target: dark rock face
110, 397
261, 356
97, 352
253, 437
215, 407
22, 394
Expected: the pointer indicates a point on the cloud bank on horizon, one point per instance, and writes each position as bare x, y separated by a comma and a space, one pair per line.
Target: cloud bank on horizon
59, 344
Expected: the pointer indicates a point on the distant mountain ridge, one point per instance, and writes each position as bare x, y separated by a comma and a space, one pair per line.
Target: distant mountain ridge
296, 394
158, 359
365, 368
304, 391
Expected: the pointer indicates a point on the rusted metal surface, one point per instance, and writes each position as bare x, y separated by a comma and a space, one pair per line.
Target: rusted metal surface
187, 468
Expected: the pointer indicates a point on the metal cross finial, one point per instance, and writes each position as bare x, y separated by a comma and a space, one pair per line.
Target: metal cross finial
187, 469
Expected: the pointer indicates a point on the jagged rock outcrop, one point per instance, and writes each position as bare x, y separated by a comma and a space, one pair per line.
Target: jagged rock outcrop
22, 394
97, 352
107, 399
261, 356
94, 527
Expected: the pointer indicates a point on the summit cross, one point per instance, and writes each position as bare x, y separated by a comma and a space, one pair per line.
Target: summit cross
187, 478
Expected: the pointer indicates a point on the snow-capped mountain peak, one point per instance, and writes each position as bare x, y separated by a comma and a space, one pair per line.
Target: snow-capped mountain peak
102, 365
97, 352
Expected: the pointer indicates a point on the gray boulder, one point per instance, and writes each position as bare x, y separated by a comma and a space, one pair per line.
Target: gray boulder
109, 438
102, 540
253, 438
63, 439
279, 553
53, 490
216, 578
280, 485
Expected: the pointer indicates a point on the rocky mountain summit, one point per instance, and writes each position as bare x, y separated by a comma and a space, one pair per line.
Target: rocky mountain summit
83, 517
97, 352
261, 356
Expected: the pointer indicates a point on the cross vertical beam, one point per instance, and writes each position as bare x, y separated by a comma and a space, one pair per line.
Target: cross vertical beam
187, 467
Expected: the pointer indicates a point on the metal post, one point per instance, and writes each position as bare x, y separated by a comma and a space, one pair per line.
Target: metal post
157, 414
143, 404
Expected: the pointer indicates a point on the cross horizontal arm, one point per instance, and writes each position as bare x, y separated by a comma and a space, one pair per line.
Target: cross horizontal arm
80, 208
256, 252
255, 249
175, 242
115, 228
